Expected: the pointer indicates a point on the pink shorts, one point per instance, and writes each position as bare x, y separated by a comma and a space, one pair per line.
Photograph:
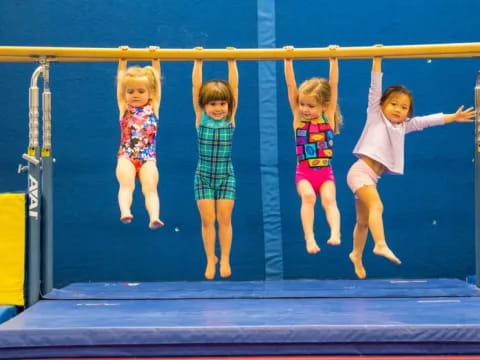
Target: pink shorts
360, 175
316, 177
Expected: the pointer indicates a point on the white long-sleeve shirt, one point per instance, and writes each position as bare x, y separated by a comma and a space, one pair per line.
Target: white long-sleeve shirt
384, 141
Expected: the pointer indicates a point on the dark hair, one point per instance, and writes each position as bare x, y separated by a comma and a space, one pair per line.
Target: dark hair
214, 90
400, 89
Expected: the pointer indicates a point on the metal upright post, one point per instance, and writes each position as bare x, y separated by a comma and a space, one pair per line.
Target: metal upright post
47, 185
477, 179
34, 196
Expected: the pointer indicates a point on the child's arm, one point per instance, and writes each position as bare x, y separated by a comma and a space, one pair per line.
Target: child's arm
377, 64
375, 91
461, 115
196, 84
377, 61
291, 86
419, 123
156, 66
158, 95
122, 67
333, 81
233, 81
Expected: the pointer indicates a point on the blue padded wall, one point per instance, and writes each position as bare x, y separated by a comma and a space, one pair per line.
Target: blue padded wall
428, 212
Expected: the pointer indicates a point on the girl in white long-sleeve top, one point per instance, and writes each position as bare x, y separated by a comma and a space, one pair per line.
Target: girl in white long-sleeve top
380, 149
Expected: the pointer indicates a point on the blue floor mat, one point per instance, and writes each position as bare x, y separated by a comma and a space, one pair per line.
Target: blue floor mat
221, 327
267, 289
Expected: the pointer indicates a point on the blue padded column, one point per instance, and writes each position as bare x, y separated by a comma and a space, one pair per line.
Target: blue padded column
267, 88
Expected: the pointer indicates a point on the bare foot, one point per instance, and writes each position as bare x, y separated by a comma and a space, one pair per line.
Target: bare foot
126, 219
225, 270
357, 263
382, 249
156, 224
312, 247
211, 268
334, 240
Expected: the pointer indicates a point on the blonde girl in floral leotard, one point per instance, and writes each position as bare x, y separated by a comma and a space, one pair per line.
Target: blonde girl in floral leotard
138, 95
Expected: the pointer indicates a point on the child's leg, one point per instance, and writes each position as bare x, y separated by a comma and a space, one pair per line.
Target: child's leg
329, 203
224, 218
149, 179
360, 234
370, 197
206, 208
307, 214
125, 173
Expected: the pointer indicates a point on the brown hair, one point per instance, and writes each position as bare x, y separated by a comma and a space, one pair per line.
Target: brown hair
214, 90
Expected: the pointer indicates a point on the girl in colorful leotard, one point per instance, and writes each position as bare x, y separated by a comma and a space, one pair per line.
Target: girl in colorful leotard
316, 119
215, 104
138, 95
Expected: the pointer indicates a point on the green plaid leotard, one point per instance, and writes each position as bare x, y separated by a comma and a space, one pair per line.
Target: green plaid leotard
214, 177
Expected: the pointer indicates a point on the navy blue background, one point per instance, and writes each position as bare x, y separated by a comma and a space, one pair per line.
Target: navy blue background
428, 216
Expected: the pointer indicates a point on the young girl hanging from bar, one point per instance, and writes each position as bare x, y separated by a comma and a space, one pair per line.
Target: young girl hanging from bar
215, 104
380, 150
138, 96
316, 118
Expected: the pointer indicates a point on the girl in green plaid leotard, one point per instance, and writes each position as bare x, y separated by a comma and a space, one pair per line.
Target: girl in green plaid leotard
214, 177
215, 104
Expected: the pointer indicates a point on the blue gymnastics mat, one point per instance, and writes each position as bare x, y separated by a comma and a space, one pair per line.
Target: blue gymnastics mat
7, 312
267, 289
244, 327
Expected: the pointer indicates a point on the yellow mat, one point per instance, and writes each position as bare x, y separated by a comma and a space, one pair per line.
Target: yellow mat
12, 248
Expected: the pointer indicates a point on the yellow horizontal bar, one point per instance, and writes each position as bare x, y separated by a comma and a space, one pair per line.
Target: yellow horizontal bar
27, 59
66, 54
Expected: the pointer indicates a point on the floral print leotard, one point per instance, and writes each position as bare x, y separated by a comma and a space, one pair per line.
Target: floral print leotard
138, 132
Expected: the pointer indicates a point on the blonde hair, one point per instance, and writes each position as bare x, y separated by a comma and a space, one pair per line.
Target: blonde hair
215, 90
136, 72
320, 89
